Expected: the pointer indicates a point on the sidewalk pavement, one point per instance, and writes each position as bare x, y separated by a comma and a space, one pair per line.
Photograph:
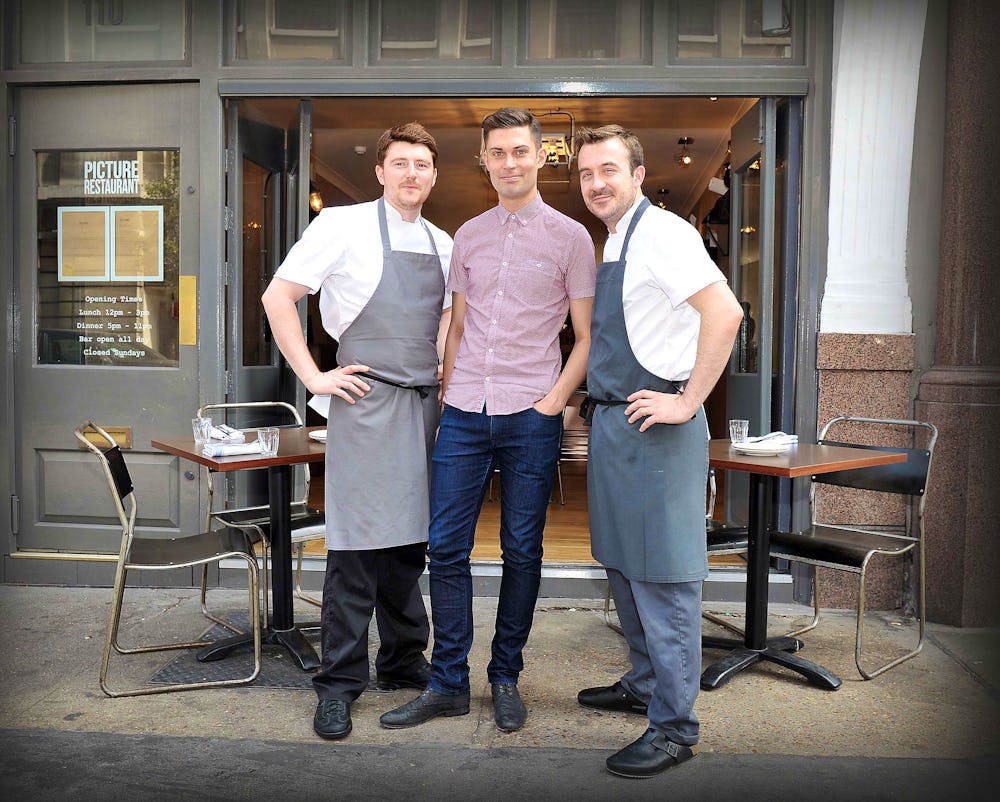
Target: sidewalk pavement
926, 729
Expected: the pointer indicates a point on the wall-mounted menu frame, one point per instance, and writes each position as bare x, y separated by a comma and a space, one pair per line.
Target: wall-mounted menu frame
136, 237
83, 240
110, 243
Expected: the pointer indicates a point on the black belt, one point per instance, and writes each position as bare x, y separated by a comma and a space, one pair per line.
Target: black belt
423, 390
589, 404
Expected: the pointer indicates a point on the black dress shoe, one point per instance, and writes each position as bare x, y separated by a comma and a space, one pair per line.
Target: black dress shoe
508, 710
648, 756
614, 698
428, 705
412, 679
332, 719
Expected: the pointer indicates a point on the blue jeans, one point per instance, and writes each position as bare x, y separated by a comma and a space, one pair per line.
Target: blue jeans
525, 446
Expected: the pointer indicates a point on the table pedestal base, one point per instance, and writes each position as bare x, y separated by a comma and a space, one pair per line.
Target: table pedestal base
291, 639
780, 642
721, 671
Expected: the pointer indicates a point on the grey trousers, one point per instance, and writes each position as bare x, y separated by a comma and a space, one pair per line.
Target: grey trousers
661, 622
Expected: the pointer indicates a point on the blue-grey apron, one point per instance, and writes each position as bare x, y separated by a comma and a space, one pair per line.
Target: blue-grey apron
378, 450
646, 489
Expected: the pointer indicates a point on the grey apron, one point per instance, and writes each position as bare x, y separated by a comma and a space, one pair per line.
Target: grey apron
646, 489
378, 449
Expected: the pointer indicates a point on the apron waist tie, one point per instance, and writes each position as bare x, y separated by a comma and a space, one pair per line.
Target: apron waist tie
589, 404
423, 390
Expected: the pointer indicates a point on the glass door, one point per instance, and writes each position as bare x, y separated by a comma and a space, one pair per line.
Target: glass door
107, 269
752, 248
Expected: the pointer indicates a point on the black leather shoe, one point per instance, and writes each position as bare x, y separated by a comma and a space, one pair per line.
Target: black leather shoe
333, 719
508, 710
651, 754
428, 705
413, 679
614, 698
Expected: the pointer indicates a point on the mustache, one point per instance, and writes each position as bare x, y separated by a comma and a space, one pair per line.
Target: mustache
602, 194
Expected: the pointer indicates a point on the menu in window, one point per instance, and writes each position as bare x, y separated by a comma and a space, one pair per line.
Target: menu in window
83, 244
138, 243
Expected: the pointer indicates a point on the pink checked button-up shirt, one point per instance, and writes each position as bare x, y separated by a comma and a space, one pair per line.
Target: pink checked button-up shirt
518, 272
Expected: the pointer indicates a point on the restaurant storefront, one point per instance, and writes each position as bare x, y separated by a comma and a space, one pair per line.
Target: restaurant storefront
163, 153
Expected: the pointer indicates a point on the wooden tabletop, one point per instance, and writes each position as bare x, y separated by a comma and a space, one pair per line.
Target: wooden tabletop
801, 459
294, 446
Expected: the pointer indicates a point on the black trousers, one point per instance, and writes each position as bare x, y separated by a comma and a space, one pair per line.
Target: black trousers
357, 584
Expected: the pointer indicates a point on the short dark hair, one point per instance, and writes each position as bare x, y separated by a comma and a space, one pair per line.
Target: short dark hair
512, 117
414, 133
594, 136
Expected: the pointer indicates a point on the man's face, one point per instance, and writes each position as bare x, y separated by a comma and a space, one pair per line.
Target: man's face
512, 159
407, 174
608, 185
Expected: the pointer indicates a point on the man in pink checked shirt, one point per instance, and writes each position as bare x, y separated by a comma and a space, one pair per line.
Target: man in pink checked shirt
516, 270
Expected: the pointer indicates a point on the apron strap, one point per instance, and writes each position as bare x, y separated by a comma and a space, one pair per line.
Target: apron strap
383, 227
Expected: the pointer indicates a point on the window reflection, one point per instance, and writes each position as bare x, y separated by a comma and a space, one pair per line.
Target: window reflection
585, 30
734, 29
59, 32
289, 30
434, 30
108, 258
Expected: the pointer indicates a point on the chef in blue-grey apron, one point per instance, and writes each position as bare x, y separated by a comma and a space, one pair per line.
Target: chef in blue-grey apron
649, 371
379, 441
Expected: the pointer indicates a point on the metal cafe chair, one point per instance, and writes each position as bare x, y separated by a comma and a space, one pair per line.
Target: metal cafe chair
308, 523
720, 539
575, 439
851, 547
160, 554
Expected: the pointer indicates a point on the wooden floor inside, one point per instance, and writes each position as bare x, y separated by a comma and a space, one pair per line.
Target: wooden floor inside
567, 527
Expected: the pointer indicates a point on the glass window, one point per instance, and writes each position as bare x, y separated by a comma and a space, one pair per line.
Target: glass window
584, 30
289, 30
108, 247
436, 30
258, 235
60, 32
735, 29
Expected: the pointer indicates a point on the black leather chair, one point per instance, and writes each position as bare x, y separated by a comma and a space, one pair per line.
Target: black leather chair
851, 547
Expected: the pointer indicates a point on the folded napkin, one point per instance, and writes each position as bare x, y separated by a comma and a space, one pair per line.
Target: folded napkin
230, 449
777, 438
321, 404
227, 435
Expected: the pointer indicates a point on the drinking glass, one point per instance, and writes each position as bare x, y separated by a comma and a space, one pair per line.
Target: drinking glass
202, 429
268, 439
739, 430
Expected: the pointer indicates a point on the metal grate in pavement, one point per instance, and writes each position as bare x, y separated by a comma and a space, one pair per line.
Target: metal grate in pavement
277, 668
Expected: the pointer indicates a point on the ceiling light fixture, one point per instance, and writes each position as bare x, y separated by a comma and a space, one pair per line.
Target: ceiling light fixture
684, 157
556, 149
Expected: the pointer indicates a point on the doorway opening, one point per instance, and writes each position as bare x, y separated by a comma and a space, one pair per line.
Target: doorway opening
341, 171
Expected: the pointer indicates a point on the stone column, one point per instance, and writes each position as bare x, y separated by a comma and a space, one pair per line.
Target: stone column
961, 393
865, 348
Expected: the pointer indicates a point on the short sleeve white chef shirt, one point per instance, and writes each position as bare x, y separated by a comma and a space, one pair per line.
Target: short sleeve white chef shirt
665, 265
341, 253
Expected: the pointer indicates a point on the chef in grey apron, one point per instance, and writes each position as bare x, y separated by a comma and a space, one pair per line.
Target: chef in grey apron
647, 515
377, 470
